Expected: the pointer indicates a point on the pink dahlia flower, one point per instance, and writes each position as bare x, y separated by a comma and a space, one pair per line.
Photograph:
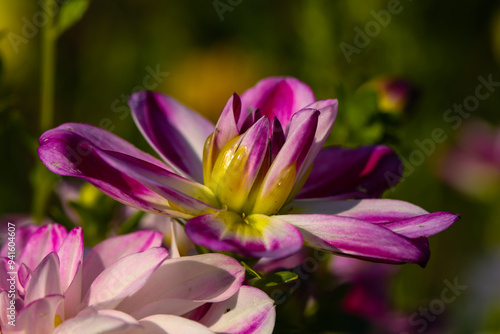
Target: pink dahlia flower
126, 284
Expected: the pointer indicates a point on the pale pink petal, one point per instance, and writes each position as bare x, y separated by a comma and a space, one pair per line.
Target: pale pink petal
173, 306
169, 324
112, 249
100, 322
174, 249
45, 280
46, 239
123, 278
23, 275
70, 256
4, 270
4, 306
201, 278
37, 317
248, 311
73, 295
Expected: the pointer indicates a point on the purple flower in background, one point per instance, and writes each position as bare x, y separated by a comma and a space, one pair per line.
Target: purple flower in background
248, 184
472, 166
126, 284
395, 95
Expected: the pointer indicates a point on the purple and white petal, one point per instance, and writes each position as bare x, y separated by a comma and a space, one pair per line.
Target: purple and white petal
248, 311
370, 210
226, 127
100, 138
327, 116
192, 197
175, 131
424, 225
357, 238
255, 142
68, 153
289, 160
254, 236
278, 97
300, 136
277, 139
368, 170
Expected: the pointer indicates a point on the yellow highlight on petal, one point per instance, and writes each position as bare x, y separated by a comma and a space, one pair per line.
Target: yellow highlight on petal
299, 184
221, 164
57, 320
230, 179
234, 190
271, 202
249, 226
208, 159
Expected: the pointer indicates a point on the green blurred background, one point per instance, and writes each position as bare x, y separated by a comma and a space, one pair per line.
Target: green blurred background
204, 54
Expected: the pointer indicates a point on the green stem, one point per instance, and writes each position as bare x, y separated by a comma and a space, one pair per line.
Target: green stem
49, 38
43, 181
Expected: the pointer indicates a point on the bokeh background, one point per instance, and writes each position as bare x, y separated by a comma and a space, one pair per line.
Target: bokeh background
395, 86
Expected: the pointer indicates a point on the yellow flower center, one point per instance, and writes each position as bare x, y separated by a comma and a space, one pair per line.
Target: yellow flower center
227, 174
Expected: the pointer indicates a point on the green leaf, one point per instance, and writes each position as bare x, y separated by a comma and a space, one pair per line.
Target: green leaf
251, 271
70, 13
281, 277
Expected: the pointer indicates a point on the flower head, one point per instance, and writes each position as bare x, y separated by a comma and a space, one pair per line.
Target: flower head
126, 284
248, 184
